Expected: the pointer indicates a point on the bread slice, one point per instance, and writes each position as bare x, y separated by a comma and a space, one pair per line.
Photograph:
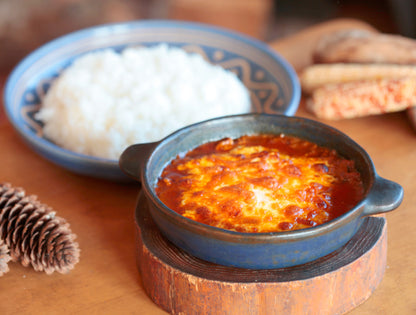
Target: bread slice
317, 75
362, 98
361, 46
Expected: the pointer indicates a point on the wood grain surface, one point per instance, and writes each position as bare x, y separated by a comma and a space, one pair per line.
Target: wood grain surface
101, 213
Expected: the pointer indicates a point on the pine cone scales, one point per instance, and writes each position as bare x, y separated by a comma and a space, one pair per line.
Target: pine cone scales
34, 235
4, 258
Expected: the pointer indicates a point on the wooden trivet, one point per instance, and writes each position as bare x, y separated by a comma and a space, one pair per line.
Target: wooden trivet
183, 284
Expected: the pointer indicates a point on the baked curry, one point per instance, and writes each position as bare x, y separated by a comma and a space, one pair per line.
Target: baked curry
260, 183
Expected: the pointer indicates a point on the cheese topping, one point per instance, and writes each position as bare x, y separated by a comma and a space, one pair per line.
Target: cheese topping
260, 183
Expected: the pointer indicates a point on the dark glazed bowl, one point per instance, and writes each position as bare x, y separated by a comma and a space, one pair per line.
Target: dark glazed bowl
145, 162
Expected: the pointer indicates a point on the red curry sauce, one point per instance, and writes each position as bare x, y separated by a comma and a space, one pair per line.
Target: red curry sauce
260, 183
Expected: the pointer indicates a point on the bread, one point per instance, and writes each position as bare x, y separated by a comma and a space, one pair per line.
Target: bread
318, 75
362, 98
360, 46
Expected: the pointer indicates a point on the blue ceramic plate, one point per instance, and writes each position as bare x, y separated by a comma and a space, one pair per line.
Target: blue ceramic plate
271, 80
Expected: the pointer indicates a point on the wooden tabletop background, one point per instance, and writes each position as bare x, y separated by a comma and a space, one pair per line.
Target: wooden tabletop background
106, 280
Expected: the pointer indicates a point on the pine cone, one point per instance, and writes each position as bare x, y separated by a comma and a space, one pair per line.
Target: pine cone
34, 235
4, 258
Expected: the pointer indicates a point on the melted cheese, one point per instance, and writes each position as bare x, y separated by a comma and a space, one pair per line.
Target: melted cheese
260, 183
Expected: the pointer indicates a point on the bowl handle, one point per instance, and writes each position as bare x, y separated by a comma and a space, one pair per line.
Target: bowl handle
384, 196
133, 158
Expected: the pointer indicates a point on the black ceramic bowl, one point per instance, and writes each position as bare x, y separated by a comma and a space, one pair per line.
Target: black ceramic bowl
145, 163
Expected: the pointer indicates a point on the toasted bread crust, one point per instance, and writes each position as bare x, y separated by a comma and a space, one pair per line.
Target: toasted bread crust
360, 46
362, 98
318, 75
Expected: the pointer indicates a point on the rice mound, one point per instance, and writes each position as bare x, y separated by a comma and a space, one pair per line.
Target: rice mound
106, 101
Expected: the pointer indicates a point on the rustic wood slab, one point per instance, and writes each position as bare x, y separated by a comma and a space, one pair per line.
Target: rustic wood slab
335, 284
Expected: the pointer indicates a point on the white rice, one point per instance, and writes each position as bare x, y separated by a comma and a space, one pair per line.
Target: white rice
106, 101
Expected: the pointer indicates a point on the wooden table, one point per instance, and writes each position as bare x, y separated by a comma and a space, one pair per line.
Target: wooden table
106, 280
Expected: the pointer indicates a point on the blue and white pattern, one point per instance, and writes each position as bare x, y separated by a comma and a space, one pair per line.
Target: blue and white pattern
272, 82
